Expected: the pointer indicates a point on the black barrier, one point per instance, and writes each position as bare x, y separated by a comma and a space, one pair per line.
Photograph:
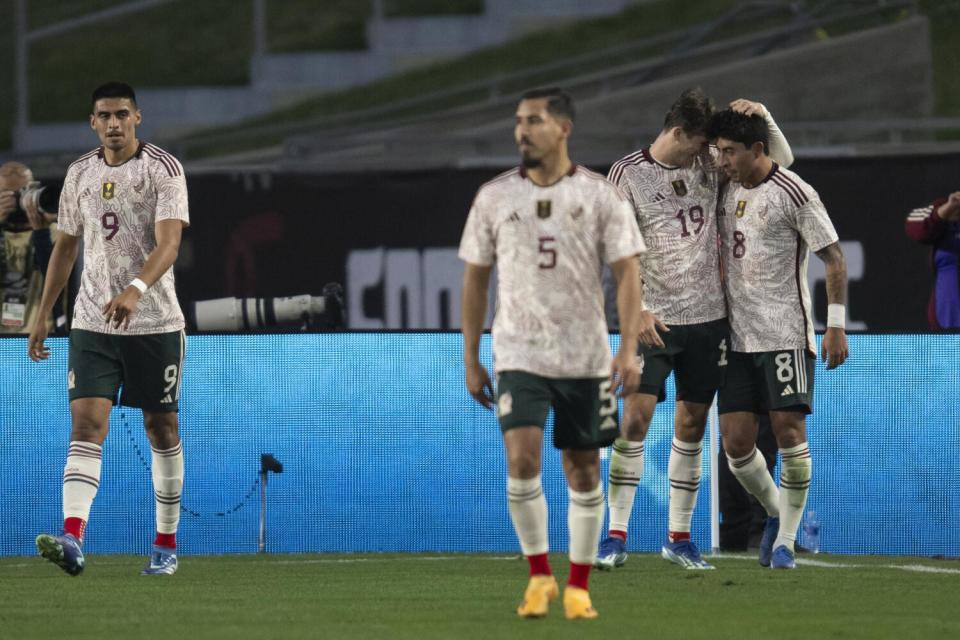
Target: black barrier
391, 238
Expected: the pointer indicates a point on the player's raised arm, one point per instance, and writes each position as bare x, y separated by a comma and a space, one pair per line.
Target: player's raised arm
777, 145
476, 282
835, 349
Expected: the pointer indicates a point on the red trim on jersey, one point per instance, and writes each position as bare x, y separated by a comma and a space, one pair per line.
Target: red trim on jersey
803, 309
633, 160
649, 157
773, 172
573, 169
793, 190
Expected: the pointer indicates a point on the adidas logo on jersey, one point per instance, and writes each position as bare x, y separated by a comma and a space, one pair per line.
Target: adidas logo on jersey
787, 391
514, 217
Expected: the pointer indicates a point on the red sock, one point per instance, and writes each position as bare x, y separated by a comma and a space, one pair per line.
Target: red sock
579, 575
75, 527
677, 536
539, 565
168, 540
615, 533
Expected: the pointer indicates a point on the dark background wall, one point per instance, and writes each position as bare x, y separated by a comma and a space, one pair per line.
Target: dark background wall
276, 235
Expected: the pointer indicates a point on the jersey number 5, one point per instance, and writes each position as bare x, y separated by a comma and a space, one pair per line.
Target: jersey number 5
111, 223
548, 253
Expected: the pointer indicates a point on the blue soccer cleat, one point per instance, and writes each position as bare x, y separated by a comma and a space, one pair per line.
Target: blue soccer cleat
612, 553
770, 531
783, 558
63, 551
163, 562
685, 554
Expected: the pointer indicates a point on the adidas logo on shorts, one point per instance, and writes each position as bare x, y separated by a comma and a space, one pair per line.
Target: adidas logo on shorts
787, 391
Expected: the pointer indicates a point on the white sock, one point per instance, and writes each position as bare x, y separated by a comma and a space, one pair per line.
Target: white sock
81, 479
167, 472
626, 469
585, 521
684, 473
751, 471
528, 511
795, 472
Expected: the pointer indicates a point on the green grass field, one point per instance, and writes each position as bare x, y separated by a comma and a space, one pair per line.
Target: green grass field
473, 596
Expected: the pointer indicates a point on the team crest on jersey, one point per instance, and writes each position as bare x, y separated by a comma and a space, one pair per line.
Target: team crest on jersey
679, 187
543, 209
741, 208
109, 188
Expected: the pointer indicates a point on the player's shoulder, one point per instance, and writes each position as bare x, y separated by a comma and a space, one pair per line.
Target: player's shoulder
81, 164
503, 180
162, 160
593, 180
631, 164
791, 186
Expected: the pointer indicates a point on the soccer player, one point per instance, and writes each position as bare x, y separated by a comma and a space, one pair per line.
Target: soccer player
127, 199
769, 220
549, 226
673, 187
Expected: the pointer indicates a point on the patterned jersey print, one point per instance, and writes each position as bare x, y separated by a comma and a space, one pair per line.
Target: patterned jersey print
767, 233
549, 245
116, 209
675, 210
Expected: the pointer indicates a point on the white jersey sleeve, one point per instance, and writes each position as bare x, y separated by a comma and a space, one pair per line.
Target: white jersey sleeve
69, 219
171, 189
814, 225
621, 236
477, 245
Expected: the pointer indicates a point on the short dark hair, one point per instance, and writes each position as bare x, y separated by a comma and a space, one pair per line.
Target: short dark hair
740, 128
691, 112
559, 102
113, 90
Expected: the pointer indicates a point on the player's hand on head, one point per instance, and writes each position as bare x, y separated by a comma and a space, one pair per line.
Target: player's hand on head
834, 349
120, 310
950, 210
479, 385
649, 326
748, 107
35, 349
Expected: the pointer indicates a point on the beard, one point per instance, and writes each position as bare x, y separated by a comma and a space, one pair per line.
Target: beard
529, 162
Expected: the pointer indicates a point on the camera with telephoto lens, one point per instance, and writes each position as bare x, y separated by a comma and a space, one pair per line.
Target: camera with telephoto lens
46, 199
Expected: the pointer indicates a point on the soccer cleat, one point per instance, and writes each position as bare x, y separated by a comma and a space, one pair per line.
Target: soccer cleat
541, 591
63, 551
770, 531
163, 562
577, 605
783, 558
612, 553
685, 554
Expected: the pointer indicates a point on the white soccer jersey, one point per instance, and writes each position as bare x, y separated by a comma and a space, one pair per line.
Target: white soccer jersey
767, 233
115, 209
549, 245
675, 210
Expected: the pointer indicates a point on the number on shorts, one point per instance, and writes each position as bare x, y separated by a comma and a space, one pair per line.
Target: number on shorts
609, 402
723, 353
784, 362
170, 377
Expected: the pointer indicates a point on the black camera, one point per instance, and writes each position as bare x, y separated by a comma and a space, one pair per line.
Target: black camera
47, 200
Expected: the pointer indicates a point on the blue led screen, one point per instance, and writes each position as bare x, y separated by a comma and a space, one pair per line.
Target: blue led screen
383, 450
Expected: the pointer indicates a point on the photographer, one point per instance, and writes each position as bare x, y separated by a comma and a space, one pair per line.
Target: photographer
27, 216
938, 225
